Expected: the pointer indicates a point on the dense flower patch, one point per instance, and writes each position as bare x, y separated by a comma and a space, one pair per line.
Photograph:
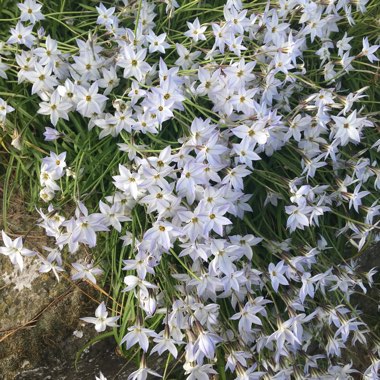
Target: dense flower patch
241, 178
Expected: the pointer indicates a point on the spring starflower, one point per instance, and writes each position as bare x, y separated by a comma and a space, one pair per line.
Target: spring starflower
15, 250
30, 11
101, 321
196, 31
89, 100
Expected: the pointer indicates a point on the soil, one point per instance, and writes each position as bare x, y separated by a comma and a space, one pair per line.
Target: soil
100, 357
39, 315
369, 303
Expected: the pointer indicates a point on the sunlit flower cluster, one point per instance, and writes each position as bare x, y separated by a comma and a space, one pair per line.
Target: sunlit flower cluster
237, 96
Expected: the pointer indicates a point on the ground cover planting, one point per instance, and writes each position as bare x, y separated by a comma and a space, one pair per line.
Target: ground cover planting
217, 163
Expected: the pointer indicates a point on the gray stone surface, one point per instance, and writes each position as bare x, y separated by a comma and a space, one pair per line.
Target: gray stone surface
38, 315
